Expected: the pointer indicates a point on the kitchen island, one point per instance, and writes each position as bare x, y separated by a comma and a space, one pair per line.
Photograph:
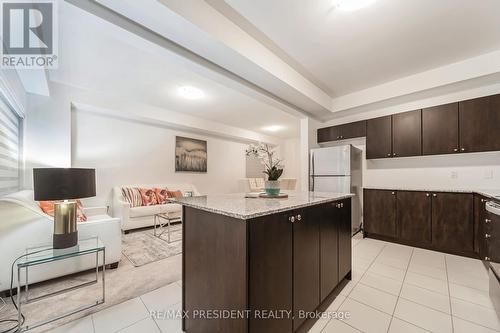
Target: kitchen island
262, 265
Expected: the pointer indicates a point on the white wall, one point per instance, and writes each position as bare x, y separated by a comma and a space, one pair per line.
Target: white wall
126, 152
470, 171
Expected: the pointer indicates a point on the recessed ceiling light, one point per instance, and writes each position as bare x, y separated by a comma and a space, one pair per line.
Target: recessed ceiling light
189, 92
273, 128
350, 5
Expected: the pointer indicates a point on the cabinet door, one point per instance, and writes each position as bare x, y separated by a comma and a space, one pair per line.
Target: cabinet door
494, 124
345, 237
474, 116
270, 270
327, 134
414, 217
379, 137
353, 130
440, 129
452, 222
480, 215
492, 229
328, 218
407, 134
306, 289
380, 212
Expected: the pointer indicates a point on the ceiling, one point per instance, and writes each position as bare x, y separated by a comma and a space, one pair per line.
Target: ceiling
345, 52
101, 57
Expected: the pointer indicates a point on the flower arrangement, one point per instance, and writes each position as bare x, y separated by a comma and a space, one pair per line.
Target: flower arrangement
266, 154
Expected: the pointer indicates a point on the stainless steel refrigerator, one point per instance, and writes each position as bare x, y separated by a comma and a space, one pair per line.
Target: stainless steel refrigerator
339, 169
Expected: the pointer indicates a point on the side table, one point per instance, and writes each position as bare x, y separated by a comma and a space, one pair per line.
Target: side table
45, 254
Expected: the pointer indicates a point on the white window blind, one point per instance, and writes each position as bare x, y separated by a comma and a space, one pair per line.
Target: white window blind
9, 150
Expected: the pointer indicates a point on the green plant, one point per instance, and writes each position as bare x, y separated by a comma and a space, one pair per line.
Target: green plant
272, 164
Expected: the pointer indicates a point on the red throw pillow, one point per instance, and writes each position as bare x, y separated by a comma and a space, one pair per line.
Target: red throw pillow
148, 197
48, 208
161, 195
174, 194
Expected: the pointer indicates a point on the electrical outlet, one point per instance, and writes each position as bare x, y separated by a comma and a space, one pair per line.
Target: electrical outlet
454, 175
488, 174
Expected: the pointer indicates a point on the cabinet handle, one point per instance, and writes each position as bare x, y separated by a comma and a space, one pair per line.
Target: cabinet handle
487, 236
341, 205
487, 221
455, 150
299, 217
341, 136
427, 195
291, 219
487, 258
434, 195
482, 200
463, 149
389, 155
338, 137
393, 154
393, 193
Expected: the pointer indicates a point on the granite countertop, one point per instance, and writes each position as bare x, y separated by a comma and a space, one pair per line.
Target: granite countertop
237, 206
492, 193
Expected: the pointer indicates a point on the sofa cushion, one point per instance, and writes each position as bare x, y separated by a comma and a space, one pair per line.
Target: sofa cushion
175, 194
174, 210
148, 196
132, 195
161, 195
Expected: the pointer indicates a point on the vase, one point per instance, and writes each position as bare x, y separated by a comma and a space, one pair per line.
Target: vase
272, 187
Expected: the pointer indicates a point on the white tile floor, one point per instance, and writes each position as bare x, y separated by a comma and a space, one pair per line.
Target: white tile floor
395, 289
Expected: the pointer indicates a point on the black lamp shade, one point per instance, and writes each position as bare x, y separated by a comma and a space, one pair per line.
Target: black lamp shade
63, 183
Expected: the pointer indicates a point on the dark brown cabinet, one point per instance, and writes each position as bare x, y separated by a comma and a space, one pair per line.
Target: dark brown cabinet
270, 270
452, 222
438, 221
407, 134
492, 236
379, 137
414, 216
380, 212
480, 124
480, 217
306, 265
440, 130
344, 238
329, 248
341, 132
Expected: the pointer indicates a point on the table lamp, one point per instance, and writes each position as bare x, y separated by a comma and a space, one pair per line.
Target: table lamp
64, 185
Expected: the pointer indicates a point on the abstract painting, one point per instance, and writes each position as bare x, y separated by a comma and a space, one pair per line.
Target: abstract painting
190, 155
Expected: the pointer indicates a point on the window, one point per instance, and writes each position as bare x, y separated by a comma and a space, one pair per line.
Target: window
10, 147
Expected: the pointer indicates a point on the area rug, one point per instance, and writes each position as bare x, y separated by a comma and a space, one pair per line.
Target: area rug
142, 247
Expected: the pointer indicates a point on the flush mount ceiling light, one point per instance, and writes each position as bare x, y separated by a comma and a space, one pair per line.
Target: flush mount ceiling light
273, 128
189, 92
351, 5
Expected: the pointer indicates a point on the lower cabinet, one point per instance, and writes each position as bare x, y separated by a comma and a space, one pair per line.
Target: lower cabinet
306, 266
439, 221
380, 212
452, 222
296, 259
414, 216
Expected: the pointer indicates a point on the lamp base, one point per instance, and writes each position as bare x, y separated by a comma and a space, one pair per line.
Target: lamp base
63, 241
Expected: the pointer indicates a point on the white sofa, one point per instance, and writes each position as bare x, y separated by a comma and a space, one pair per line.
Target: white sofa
24, 225
143, 216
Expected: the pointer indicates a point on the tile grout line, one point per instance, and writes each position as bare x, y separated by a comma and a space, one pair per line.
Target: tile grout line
449, 294
140, 297
400, 289
357, 282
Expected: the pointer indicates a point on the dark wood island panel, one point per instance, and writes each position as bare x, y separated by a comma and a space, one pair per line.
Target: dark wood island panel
277, 262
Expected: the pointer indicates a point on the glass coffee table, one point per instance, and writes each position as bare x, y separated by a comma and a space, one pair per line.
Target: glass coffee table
46, 254
162, 224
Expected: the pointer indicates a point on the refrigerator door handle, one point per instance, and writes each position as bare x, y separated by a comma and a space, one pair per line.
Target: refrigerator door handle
312, 173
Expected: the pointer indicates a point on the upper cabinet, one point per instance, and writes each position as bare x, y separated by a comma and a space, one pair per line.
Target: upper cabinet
440, 129
480, 124
461, 127
379, 137
407, 134
342, 132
